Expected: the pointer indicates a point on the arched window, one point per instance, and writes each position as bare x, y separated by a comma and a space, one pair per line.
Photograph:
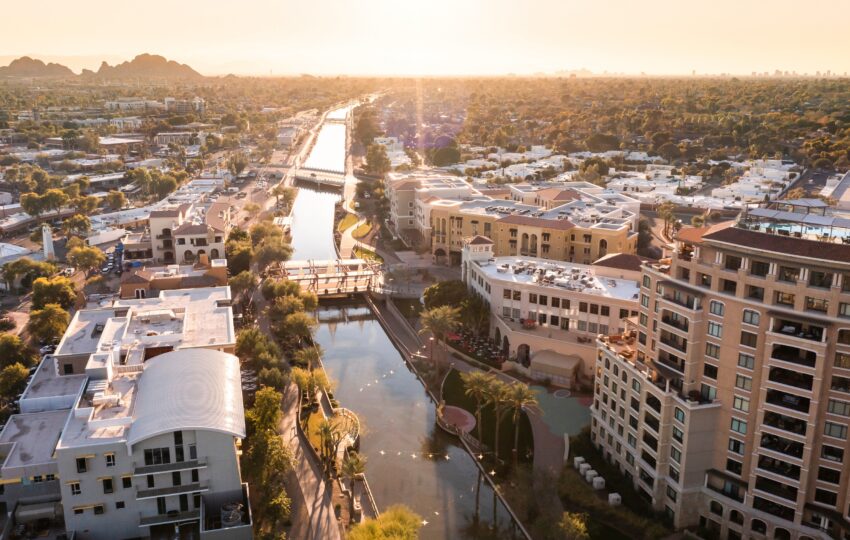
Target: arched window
758, 526
716, 508
781, 534
736, 517
603, 247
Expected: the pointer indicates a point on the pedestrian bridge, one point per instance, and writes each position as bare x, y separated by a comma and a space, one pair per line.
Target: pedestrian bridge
333, 278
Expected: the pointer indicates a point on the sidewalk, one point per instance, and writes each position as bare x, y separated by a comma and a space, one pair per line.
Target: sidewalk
314, 498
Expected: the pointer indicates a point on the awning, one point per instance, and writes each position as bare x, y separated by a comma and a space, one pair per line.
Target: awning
548, 361
27, 513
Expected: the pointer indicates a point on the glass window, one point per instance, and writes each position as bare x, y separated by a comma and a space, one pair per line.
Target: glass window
841, 408
741, 404
735, 467
838, 431
844, 309
712, 350
716, 308
759, 268
675, 454
746, 361
820, 279
75, 488
789, 273
785, 299
714, 329
817, 304
736, 446
743, 382
738, 426
749, 339
709, 371
832, 453
752, 317
679, 414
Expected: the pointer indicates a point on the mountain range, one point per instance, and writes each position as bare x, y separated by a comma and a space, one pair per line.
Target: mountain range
143, 65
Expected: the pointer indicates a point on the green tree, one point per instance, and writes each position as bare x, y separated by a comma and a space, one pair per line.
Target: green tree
439, 322
48, 323
574, 526
26, 270
377, 162
271, 251
56, 290
13, 350
397, 522
265, 414
520, 397
244, 285
13, 380
237, 163
445, 293
353, 466
498, 398
296, 327
476, 384
116, 200
85, 205
86, 258
77, 224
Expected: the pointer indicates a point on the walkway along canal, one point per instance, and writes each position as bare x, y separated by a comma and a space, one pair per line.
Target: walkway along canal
411, 460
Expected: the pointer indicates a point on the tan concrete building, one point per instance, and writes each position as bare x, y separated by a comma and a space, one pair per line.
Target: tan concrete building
146, 282
729, 403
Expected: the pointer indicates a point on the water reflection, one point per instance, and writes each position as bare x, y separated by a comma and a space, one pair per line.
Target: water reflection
328, 154
410, 460
313, 224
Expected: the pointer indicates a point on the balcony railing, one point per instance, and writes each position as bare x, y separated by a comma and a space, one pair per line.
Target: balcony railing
790, 378
794, 355
145, 470
782, 445
681, 324
798, 330
788, 401
679, 345
171, 490
776, 488
785, 423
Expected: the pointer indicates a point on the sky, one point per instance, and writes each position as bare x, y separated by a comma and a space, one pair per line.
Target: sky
437, 37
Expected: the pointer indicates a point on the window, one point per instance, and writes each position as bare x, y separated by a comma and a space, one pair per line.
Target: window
838, 431
543, 300
841, 408
789, 273
735, 467
709, 371
636, 385
157, 456
746, 361
832, 453
677, 434
748, 339
671, 493
674, 474
646, 282
644, 301
81, 465
736, 446
195, 476
517, 295
712, 350
75, 488
752, 317
820, 279
126, 482
743, 382
832, 476
741, 404
715, 329
556, 302
826, 497
759, 268
605, 311
844, 309
119, 505
506, 294
708, 393
842, 360
785, 299
840, 384
178, 438
98, 509
176, 479
532, 298
679, 414
716, 308
78, 511
738, 426
110, 460
150, 480
675, 454
107, 485
817, 304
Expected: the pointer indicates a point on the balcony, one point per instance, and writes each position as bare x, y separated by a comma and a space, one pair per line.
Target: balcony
676, 342
775, 488
686, 301
171, 490
171, 517
671, 361
779, 467
145, 470
809, 332
790, 378
673, 319
788, 401
726, 485
794, 355
785, 423
240, 520
782, 445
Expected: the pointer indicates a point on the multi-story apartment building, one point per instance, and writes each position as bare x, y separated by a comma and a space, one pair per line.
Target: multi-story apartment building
582, 230
545, 314
132, 429
728, 404
184, 233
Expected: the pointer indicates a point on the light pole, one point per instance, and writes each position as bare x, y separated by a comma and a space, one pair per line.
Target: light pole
431, 340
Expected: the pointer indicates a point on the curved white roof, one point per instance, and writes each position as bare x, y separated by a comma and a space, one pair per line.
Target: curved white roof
188, 389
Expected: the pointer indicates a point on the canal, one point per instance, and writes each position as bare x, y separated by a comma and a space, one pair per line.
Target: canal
410, 460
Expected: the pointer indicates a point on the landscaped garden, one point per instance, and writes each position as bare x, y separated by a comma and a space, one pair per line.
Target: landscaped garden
454, 393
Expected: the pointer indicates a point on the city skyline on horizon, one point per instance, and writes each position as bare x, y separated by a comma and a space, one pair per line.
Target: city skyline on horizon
442, 38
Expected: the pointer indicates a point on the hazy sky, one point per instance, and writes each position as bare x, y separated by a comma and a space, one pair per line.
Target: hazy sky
437, 36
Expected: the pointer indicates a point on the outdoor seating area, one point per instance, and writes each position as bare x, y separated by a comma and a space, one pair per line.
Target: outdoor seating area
482, 349
821, 228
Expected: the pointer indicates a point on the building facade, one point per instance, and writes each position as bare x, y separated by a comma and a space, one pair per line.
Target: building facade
728, 404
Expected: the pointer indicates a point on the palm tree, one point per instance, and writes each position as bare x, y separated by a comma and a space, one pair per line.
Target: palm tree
520, 396
497, 397
476, 385
309, 356
325, 433
353, 466
439, 322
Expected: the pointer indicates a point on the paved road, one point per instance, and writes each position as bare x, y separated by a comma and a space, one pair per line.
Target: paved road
313, 497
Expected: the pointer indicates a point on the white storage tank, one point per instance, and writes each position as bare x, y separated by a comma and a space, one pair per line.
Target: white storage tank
583, 468
577, 461
614, 499
598, 483
590, 475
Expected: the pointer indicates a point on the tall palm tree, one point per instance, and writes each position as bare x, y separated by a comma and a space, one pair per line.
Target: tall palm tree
439, 322
498, 398
476, 385
520, 397
326, 434
353, 466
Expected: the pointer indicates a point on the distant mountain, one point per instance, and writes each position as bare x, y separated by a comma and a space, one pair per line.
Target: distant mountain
147, 65
29, 67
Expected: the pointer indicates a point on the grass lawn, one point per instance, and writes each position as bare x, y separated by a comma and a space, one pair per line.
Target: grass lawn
453, 394
362, 230
360, 253
346, 222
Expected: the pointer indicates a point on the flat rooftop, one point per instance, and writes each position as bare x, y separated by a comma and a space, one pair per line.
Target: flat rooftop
559, 276
47, 382
85, 332
29, 439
